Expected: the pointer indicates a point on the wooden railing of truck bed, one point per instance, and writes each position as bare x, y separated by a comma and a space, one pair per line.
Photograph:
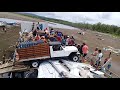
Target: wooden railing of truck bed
39, 51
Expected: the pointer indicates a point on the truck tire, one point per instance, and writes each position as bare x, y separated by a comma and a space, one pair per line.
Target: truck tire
74, 57
35, 64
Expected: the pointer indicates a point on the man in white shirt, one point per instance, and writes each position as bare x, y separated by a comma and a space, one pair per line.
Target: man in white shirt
99, 58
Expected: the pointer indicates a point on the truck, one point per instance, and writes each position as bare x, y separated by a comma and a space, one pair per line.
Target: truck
33, 55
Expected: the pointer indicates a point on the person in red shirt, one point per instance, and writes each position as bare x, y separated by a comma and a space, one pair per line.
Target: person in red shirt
72, 42
37, 37
94, 56
106, 59
59, 38
85, 51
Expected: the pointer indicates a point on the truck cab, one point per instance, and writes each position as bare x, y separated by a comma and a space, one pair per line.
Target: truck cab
57, 50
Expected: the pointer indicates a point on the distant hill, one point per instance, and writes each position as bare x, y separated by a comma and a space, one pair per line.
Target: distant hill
45, 18
111, 29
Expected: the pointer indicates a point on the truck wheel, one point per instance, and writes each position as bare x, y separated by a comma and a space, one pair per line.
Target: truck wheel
35, 64
74, 57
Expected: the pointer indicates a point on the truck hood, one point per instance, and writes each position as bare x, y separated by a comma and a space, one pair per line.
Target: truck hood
70, 48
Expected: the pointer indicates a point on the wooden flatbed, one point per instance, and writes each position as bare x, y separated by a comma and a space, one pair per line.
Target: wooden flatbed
11, 67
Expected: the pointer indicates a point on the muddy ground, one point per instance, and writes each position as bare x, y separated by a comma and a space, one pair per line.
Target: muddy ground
92, 41
8, 41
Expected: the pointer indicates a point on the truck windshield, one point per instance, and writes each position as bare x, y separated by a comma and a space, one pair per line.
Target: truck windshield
57, 48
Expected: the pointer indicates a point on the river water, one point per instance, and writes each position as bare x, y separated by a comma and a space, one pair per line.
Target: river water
50, 24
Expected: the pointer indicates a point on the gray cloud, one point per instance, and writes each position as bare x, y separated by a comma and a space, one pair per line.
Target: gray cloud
90, 17
106, 15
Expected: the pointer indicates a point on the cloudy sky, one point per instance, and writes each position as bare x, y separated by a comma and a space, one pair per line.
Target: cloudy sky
112, 18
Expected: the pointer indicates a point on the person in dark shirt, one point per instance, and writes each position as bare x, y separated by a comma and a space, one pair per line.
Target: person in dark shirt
33, 26
78, 47
34, 33
81, 52
52, 39
63, 41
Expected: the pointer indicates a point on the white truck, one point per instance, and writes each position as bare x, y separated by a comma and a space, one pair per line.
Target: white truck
34, 54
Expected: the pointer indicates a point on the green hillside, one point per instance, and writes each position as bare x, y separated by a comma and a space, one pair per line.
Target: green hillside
111, 29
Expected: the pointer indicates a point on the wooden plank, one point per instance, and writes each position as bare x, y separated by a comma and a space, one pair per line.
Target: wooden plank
45, 57
11, 69
22, 54
42, 52
41, 49
21, 50
22, 58
6, 65
30, 53
37, 53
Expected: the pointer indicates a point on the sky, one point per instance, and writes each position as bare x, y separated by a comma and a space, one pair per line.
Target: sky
111, 18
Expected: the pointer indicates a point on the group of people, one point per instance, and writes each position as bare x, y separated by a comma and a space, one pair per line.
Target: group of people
96, 56
50, 35
83, 50
96, 59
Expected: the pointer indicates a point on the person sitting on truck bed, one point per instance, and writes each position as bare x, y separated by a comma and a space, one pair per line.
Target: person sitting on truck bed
63, 42
46, 35
43, 38
37, 37
72, 43
67, 40
59, 34
52, 39
34, 33
58, 38
52, 32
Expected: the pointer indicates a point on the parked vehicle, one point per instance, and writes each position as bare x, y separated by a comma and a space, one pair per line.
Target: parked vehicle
43, 51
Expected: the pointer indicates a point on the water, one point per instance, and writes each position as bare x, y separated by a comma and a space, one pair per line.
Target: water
50, 24
56, 25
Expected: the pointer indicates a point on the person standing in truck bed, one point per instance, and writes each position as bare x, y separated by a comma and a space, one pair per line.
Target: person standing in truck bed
34, 33
33, 26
